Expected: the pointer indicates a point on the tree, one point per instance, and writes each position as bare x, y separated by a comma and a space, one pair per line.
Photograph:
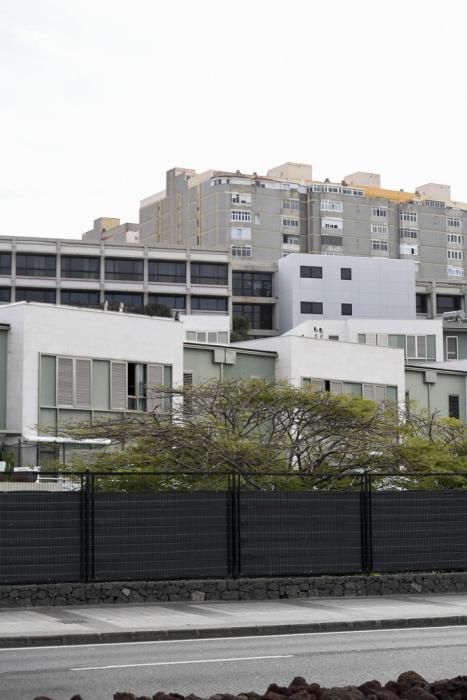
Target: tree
241, 328
258, 430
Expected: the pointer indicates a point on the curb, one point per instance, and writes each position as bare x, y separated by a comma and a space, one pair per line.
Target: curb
214, 632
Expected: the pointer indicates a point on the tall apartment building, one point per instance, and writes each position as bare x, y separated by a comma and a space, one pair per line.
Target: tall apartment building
259, 219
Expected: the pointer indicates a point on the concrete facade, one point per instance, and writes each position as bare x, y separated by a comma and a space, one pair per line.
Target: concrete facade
261, 218
69, 364
371, 372
325, 287
421, 340
438, 388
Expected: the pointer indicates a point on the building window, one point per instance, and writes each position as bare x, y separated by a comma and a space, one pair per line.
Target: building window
331, 205
37, 294
411, 233
336, 241
240, 198
379, 229
289, 222
407, 215
242, 251
346, 309
258, 315
209, 304
335, 224
448, 302
451, 347
252, 284
290, 240
5, 263
454, 271
240, 234
290, 204
311, 307
379, 245
418, 347
124, 269
126, 298
406, 249
380, 212
455, 255
209, 273
421, 303
311, 271
81, 267
455, 238
32, 265
453, 406
168, 271
257, 219
346, 273
240, 215
79, 297
171, 301
454, 223
5, 294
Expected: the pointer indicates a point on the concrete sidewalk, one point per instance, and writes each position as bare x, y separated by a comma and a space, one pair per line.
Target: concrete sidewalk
164, 621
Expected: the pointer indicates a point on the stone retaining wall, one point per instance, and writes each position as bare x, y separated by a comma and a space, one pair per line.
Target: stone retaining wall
48, 594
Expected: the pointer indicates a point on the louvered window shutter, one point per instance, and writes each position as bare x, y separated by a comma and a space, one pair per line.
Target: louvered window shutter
118, 397
64, 381
83, 384
154, 378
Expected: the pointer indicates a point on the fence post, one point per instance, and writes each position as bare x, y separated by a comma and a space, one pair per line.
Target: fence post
87, 527
365, 515
234, 523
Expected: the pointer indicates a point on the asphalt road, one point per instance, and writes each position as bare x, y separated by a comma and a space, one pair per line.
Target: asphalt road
205, 667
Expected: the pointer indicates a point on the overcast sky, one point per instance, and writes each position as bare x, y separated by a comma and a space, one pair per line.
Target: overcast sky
99, 98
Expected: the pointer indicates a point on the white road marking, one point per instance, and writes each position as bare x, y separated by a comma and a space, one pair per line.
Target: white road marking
229, 639
177, 663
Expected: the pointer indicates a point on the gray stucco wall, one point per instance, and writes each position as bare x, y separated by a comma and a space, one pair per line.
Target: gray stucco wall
435, 396
200, 361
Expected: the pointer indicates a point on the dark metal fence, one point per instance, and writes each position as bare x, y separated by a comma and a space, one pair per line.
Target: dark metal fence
103, 527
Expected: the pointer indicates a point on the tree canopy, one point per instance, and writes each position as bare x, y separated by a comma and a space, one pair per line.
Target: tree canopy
253, 428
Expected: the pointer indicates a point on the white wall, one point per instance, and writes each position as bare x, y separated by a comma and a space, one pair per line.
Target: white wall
325, 359
379, 288
43, 328
349, 330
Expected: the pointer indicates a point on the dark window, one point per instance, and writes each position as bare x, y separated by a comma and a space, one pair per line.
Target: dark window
332, 240
346, 273
311, 271
258, 315
123, 269
421, 303
453, 406
447, 302
43, 296
78, 297
81, 267
346, 309
311, 307
32, 265
252, 284
172, 301
209, 303
125, 298
166, 271
208, 273
5, 263
5, 294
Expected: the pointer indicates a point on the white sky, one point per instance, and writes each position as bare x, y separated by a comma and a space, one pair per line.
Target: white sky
98, 98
